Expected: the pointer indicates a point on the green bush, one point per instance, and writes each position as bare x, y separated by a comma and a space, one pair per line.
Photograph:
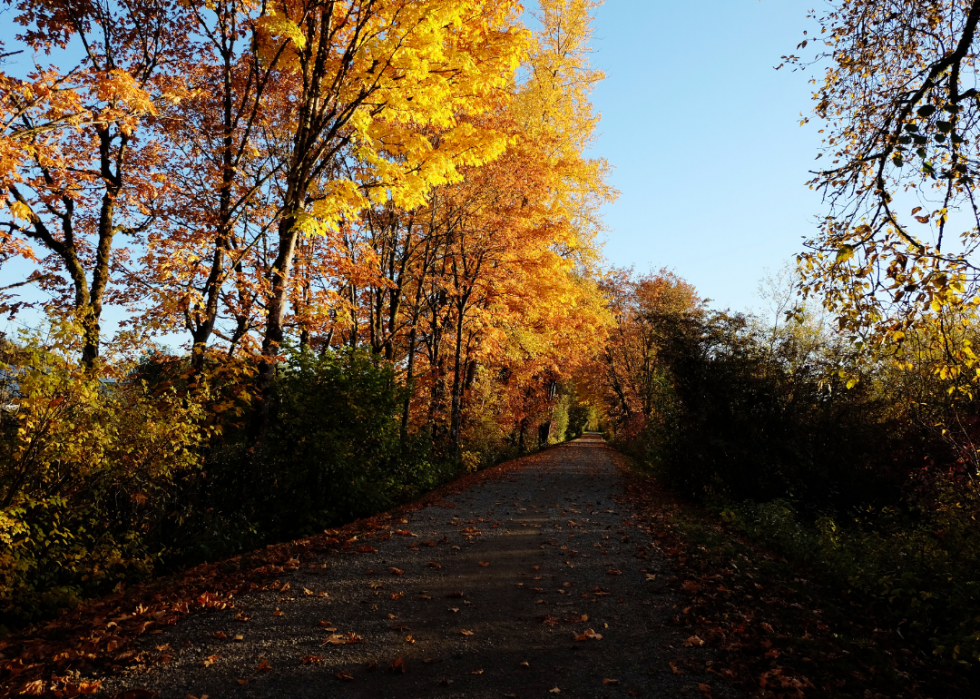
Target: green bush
919, 566
334, 449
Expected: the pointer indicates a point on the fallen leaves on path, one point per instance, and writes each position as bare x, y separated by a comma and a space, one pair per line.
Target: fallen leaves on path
466, 632
588, 635
398, 666
341, 639
310, 659
344, 676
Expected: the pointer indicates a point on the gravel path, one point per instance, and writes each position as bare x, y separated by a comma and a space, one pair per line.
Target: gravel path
501, 591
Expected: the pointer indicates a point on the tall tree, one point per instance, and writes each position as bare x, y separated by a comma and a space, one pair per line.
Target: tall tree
901, 111
372, 72
72, 190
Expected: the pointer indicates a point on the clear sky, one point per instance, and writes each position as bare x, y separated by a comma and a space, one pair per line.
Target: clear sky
704, 137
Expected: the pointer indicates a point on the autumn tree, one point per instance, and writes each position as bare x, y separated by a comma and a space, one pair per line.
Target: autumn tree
632, 372
371, 73
78, 168
901, 111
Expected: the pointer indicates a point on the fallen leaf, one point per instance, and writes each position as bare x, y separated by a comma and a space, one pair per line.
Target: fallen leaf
344, 675
673, 668
340, 639
609, 681
310, 659
433, 564
238, 637
397, 595
264, 667
484, 564
477, 672
396, 571
366, 549
554, 691
369, 572
409, 639
525, 664
694, 641
588, 635
690, 587
210, 660
465, 632
220, 635
614, 571
397, 666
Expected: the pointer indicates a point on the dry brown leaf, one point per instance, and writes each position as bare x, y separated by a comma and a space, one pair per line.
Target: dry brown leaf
485, 564
477, 672
433, 564
694, 642
210, 660
398, 665
606, 680
344, 675
220, 635
588, 635
310, 659
396, 571
465, 632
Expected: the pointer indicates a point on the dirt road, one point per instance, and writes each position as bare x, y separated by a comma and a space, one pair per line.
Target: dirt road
532, 584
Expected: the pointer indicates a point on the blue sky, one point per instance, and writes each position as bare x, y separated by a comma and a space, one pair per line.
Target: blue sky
704, 137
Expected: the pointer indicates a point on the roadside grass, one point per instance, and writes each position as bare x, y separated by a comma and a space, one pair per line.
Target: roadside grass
780, 630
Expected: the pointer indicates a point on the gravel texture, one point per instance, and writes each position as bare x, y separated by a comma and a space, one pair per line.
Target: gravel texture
500, 591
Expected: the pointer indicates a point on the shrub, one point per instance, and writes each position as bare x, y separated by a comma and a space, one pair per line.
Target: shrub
88, 461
